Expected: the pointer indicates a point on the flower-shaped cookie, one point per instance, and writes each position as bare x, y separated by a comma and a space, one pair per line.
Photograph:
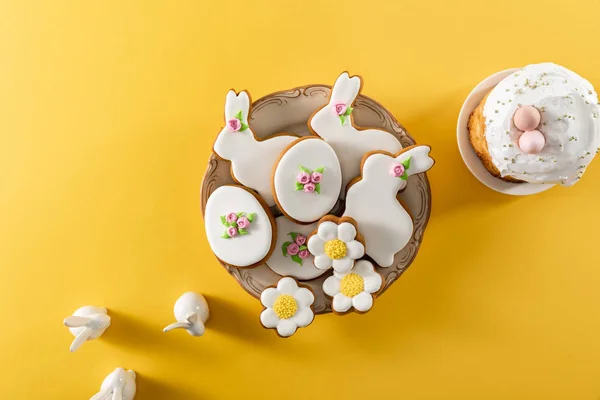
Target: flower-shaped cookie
335, 245
354, 288
287, 307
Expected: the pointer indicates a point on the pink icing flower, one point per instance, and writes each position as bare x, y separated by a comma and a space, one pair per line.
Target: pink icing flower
231, 231
231, 217
293, 249
303, 254
300, 240
303, 177
315, 177
309, 187
397, 170
243, 223
340, 108
234, 124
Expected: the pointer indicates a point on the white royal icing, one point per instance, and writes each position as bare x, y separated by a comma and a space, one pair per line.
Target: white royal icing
349, 143
283, 264
252, 161
329, 231
362, 301
241, 250
570, 113
384, 223
311, 154
303, 299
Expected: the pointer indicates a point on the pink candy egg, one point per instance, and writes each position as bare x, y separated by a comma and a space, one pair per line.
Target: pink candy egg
527, 118
532, 142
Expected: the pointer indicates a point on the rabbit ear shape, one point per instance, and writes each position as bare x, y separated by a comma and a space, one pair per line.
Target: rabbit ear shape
236, 104
178, 325
230, 105
244, 105
80, 339
419, 159
76, 322
346, 89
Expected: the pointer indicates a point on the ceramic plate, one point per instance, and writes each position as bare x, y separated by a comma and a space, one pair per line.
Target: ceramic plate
289, 111
468, 154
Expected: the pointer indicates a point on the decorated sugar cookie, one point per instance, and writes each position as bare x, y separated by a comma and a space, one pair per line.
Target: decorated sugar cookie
336, 243
291, 256
354, 288
287, 307
251, 160
371, 200
334, 123
240, 228
307, 180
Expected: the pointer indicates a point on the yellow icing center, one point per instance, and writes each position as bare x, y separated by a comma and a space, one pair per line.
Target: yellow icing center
352, 284
285, 306
335, 249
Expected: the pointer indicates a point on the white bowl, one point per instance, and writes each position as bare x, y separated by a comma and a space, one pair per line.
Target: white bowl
468, 154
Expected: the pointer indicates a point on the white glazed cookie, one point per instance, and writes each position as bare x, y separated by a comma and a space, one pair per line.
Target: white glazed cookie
307, 180
252, 160
239, 227
354, 288
371, 201
334, 123
291, 256
287, 307
570, 124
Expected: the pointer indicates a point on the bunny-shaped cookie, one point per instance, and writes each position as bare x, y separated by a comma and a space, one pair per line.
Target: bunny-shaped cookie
334, 123
191, 312
252, 160
87, 323
384, 223
118, 385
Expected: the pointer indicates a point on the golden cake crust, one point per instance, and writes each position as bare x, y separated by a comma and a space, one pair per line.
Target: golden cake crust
476, 128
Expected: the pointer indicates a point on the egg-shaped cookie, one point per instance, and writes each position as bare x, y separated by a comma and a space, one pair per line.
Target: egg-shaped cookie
239, 226
307, 180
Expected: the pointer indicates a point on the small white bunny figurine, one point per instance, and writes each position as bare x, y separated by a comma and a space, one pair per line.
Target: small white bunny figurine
191, 313
252, 160
118, 385
87, 323
335, 124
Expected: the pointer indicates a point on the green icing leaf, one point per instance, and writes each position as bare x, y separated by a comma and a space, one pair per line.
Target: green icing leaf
320, 169
240, 116
251, 217
234, 224
406, 163
242, 231
318, 188
284, 248
240, 214
304, 169
294, 235
348, 111
303, 248
223, 220
299, 186
225, 235
297, 259
244, 127
405, 176
343, 119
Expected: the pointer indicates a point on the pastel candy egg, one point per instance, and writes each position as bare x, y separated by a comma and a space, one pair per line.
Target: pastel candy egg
527, 118
532, 142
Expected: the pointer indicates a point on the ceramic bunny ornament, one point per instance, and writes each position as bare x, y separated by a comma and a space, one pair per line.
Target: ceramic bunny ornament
252, 161
371, 201
87, 323
335, 124
118, 385
191, 313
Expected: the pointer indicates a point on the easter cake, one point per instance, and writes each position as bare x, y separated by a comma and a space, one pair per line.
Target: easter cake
310, 212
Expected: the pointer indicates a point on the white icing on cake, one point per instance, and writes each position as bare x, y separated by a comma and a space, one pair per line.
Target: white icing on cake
570, 123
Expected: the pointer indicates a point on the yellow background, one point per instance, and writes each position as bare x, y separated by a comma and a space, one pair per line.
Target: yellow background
107, 114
